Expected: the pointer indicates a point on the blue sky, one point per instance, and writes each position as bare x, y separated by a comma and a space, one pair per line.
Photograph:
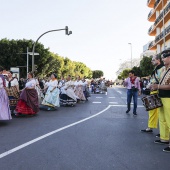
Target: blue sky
101, 29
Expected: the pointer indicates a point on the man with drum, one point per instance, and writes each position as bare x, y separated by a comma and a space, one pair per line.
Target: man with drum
133, 89
155, 78
164, 92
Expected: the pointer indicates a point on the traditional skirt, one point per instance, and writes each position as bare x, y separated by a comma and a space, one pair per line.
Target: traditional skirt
66, 100
28, 103
5, 113
52, 98
13, 96
23, 108
79, 92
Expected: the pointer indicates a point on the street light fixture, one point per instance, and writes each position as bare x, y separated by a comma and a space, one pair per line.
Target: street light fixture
131, 53
67, 32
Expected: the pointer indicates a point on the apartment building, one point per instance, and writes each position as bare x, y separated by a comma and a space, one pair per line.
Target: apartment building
160, 28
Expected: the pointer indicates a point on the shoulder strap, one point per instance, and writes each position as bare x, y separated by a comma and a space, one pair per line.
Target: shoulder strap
164, 75
157, 81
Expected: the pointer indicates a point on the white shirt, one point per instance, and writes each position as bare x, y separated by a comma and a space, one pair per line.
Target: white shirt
53, 83
31, 83
14, 82
76, 83
69, 84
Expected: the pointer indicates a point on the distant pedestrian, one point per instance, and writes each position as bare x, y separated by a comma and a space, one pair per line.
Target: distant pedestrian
133, 89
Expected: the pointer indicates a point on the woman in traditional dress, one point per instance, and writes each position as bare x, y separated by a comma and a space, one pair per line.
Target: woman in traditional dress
5, 113
52, 95
79, 89
12, 88
39, 91
85, 89
68, 96
28, 102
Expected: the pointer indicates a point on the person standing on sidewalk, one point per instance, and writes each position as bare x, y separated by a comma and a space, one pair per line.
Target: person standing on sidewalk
155, 78
133, 89
164, 93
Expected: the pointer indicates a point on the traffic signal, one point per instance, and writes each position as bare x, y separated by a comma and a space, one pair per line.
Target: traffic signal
66, 29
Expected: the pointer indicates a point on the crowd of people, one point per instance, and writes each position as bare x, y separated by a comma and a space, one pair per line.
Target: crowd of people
24, 97
27, 96
158, 99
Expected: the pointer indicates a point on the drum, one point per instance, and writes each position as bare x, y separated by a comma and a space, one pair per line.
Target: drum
152, 102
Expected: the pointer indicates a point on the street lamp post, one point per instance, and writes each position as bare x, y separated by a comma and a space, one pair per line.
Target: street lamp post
66, 31
131, 53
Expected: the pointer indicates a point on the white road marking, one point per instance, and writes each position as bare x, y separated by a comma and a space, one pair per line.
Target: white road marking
113, 102
96, 102
119, 92
111, 97
49, 134
99, 97
2, 155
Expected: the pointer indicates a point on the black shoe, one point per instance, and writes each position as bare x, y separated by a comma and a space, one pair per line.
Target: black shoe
160, 142
134, 114
147, 131
127, 111
157, 136
167, 149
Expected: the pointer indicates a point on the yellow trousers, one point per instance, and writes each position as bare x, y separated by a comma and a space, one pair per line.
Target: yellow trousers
153, 116
164, 119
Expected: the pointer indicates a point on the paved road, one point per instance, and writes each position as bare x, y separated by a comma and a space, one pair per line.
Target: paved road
100, 136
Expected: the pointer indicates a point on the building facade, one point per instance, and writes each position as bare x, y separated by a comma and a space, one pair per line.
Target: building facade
160, 28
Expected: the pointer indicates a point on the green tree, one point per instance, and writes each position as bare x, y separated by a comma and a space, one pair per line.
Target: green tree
97, 73
47, 62
145, 66
137, 71
124, 73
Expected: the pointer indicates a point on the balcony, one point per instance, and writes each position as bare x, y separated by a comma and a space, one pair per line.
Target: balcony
150, 29
152, 15
159, 20
156, 3
157, 7
151, 44
159, 39
150, 3
167, 30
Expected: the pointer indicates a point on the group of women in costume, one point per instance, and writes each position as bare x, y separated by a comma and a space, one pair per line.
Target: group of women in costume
27, 101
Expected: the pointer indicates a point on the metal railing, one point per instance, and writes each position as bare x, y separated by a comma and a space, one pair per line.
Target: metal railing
167, 8
150, 29
151, 44
165, 11
150, 13
159, 18
156, 3
167, 30
162, 34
